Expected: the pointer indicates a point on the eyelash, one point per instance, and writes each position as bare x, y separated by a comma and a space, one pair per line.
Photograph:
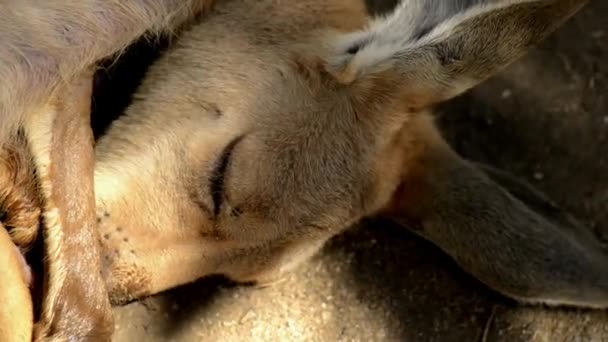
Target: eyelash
218, 176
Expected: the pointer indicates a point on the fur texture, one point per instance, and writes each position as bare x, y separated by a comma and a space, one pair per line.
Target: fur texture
269, 128
303, 152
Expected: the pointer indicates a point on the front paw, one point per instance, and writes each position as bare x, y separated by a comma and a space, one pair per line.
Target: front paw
20, 206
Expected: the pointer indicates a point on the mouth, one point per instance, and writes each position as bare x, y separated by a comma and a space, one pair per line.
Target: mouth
217, 180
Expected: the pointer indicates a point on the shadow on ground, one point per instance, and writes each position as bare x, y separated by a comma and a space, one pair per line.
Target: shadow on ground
545, 119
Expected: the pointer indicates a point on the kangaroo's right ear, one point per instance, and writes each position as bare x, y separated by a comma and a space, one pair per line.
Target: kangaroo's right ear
428, 51
501, 230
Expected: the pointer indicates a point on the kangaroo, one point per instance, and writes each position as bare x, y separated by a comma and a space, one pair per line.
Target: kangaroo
267, 129
49, 51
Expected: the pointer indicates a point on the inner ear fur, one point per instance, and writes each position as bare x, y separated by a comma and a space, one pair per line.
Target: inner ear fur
428, 51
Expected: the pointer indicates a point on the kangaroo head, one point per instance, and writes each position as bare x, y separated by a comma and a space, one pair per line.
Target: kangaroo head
268, 128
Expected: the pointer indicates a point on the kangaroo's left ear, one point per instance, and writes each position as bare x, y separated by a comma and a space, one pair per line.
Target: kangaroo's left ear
428, 51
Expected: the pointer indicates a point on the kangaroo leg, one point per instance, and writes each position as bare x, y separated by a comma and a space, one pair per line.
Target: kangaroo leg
75, 304
515, 242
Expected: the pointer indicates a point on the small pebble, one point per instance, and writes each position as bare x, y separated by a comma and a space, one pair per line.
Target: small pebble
506, 94
538, 175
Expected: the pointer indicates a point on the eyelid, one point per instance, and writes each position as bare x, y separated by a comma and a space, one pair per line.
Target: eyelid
216, 181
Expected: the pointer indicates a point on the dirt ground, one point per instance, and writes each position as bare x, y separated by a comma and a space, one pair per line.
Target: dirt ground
545, 119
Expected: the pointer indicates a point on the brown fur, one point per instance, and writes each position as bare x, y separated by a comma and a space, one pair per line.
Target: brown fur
73, 284
324, 133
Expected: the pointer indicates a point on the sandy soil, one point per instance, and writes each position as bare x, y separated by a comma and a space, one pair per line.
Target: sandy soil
545, 119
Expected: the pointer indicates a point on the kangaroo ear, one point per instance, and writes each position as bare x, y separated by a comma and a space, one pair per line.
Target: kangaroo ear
496, 227
428, 51
502, 231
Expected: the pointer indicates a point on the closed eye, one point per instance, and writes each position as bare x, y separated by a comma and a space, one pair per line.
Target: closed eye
216, 182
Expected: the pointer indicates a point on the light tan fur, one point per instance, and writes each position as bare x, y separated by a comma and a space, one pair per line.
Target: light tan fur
45, 43
324, 121
314, 153
16, 314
